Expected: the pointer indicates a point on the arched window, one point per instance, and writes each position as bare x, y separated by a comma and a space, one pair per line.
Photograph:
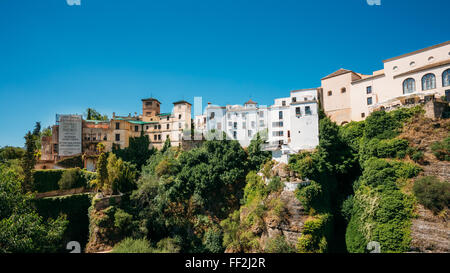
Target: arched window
446, 78
409, 86
428, 81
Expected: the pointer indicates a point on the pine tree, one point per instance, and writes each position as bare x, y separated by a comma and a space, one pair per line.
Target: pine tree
102, 170
166, 146
28, 161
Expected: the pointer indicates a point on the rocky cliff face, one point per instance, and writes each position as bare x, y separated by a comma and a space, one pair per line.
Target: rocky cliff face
429, 232
102, 233
291, 224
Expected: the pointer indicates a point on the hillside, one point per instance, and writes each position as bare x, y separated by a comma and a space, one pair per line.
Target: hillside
369, 178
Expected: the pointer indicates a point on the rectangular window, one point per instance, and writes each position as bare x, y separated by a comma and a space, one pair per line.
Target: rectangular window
294, 99
369, 89
277, 124
244, 125
249, 133
283, 103
253, 124
261, 123
363, 115
235, 125
298, 112
369, 100
219, 125
136, 128
280, 114
277, 133
156, 127
159, 137
261, 114
307, 110
117, 137
168, 126
234, 134
154, 137
117, 125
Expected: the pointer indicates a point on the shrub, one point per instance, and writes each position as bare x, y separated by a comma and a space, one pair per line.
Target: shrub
169, 245
401, 154
309, 195
442, 149
417, 156
315, 232
390, 148
123, 221
71, 162
381, 125
212, 241
347, 208
255, 188
46, 180
278, 244
275, 184
130, 245
75, 207
70, 179
405, 169
432, 193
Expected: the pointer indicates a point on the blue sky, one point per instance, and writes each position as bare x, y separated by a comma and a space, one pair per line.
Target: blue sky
109, 54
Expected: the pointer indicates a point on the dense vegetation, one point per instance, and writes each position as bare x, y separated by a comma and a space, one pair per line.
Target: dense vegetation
218, 197
379, 210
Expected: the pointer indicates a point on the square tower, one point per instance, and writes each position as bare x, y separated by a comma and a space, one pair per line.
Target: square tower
150, 109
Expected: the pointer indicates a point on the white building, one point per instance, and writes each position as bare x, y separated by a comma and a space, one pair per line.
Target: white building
291, 124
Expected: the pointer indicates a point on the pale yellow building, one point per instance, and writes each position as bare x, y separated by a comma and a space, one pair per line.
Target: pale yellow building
119, 129
405, 80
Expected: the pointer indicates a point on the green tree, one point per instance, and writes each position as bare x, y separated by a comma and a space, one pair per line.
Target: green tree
121, 175
28, 162
257, 157
92, 114
102, 170
9, 153
166, 146
137, 152
22, 230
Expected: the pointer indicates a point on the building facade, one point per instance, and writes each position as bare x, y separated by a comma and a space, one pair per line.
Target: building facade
289, 125
118, 130
405, 80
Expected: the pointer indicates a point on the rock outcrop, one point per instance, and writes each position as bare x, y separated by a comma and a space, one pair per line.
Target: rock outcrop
291, 225
429, 232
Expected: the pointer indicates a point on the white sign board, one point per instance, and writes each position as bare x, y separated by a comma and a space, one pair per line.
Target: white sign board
69, 135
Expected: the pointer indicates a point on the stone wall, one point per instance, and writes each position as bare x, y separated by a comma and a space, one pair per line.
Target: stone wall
435, 109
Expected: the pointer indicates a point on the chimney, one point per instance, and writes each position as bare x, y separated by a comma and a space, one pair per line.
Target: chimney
114, 114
